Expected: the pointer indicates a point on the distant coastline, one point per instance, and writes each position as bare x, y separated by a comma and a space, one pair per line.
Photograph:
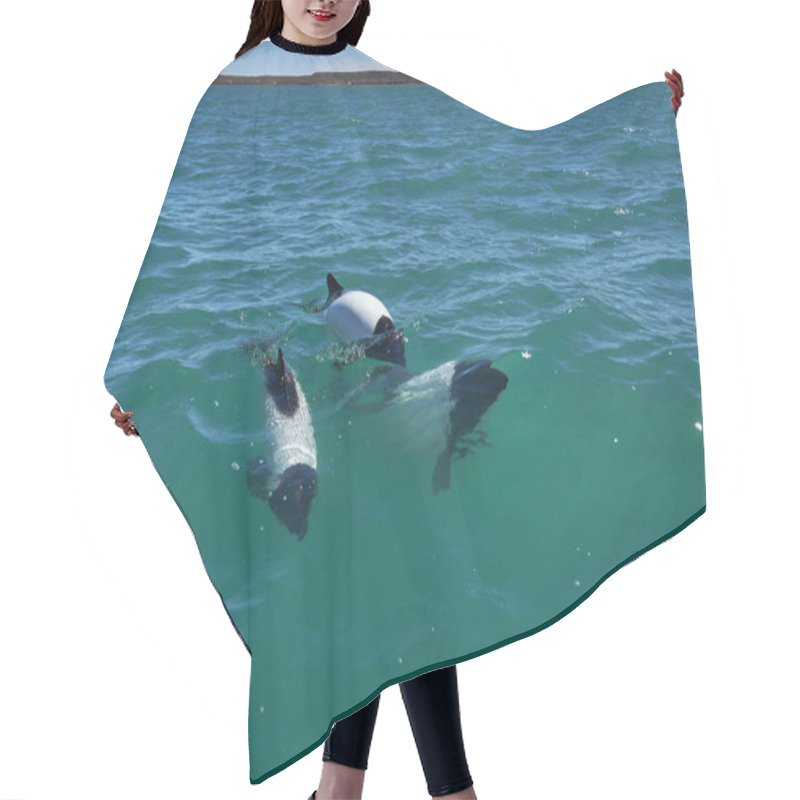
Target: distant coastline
365, 78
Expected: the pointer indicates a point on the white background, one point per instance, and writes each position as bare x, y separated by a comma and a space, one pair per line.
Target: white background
120, 674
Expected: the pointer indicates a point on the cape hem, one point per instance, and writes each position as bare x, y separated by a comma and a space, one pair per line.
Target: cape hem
489, 649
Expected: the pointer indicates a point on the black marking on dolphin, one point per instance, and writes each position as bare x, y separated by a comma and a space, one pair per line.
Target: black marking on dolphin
474, 387
291, 499
281, 386
391, 346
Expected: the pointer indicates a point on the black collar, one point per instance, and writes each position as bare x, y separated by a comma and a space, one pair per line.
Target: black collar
308, 49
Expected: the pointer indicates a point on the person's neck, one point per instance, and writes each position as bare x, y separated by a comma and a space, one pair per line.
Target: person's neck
292, 46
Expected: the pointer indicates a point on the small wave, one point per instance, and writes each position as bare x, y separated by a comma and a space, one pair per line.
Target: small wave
218, 435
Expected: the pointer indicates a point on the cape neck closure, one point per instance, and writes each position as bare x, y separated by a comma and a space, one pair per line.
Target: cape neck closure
308, 49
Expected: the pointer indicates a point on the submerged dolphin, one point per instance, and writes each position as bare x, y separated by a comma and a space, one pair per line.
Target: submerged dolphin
357, 315
288, 482
432, 411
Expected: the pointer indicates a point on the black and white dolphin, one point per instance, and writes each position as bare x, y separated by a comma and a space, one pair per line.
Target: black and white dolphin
431, 412
288, 480
357, 315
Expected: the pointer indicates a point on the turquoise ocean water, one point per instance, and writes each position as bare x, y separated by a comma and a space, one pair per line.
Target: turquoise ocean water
562, 255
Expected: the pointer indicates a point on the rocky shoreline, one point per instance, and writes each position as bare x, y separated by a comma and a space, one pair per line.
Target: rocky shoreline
366, 78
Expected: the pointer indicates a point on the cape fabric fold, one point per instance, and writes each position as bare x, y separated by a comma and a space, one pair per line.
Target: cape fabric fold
418, 381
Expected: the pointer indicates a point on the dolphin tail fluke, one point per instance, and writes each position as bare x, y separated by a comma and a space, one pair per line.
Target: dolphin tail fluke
441, 473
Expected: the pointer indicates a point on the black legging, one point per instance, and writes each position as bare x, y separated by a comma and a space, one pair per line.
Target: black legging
432, 705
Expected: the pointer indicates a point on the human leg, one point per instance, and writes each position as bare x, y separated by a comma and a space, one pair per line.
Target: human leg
432, 705
346, 753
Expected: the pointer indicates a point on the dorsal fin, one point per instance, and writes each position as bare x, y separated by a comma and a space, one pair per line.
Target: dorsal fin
334, 288
383, 324
281, 366
281, 386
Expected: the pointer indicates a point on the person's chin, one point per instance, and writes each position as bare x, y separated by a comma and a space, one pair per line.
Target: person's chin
321, 37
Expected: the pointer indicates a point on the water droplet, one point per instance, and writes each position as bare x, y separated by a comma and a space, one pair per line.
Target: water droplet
235, 466
216, 404
399, 659
616, 440
433, 628
698, 426
526, 354
633, 388
588, 552
577, 549
576, 582
261, 709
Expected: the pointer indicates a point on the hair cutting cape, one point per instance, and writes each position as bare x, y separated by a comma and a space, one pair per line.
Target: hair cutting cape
418, 381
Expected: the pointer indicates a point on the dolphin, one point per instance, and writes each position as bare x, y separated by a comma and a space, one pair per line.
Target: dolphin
288, 481
432, 412
357, 315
